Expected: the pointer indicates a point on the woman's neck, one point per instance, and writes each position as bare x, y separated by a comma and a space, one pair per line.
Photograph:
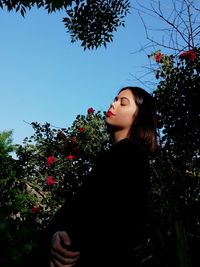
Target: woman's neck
119, 135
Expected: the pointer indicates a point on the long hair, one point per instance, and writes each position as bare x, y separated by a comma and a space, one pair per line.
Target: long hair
144, 125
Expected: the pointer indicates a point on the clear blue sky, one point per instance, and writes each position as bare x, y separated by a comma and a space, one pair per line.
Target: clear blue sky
46, 78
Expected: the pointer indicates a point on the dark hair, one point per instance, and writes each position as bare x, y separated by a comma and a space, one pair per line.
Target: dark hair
144, 125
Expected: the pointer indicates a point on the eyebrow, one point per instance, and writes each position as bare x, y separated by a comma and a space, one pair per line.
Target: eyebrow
122, 98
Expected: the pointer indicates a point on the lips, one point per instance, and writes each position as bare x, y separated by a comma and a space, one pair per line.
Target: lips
109, 113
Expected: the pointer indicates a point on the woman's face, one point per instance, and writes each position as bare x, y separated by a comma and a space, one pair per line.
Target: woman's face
122, 111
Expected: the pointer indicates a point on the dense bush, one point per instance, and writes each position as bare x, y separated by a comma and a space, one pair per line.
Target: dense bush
176, 176
50, 167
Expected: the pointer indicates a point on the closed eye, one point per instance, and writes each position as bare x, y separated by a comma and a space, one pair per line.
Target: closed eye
124, 101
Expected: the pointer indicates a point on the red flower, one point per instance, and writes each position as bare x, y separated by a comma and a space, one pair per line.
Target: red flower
80, 130
36, 209
50, 160
50, 180
70, 157
90, 111
188, 55
158, 57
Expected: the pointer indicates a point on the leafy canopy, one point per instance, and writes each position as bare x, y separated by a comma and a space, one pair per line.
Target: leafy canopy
91, 22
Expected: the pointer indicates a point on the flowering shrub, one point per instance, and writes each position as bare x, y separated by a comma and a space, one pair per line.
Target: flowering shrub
175, 180
52, 165
56, 161
177, 97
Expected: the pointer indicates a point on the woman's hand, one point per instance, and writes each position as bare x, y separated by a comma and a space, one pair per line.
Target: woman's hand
60, 253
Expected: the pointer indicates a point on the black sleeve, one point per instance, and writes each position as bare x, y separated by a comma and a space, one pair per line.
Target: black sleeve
130, 178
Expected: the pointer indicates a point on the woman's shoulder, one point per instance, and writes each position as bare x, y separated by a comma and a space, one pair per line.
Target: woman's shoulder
125, 150
131, 145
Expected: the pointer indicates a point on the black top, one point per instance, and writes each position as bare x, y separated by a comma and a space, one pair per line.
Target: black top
107, 218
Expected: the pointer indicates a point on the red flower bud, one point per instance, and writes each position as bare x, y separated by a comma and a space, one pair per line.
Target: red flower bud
50, 160
70, 157
90, 111
158, 57
188, 55
50, 180
80, 130
36, 209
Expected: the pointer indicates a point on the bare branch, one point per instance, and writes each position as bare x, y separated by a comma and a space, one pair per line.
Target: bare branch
191, 38
182, 20
170, 23
156, 43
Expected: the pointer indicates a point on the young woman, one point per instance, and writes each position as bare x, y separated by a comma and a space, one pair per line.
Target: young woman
106, 222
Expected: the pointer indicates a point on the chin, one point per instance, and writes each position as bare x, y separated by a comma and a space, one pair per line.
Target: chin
107, 120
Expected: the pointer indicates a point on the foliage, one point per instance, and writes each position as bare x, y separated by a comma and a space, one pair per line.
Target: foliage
8, 187
91, 22
176, 178
51, 167
6, 145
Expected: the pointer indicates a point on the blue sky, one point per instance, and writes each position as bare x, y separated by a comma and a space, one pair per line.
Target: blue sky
46, 78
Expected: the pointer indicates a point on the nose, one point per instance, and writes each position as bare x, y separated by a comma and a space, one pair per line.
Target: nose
112, 105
